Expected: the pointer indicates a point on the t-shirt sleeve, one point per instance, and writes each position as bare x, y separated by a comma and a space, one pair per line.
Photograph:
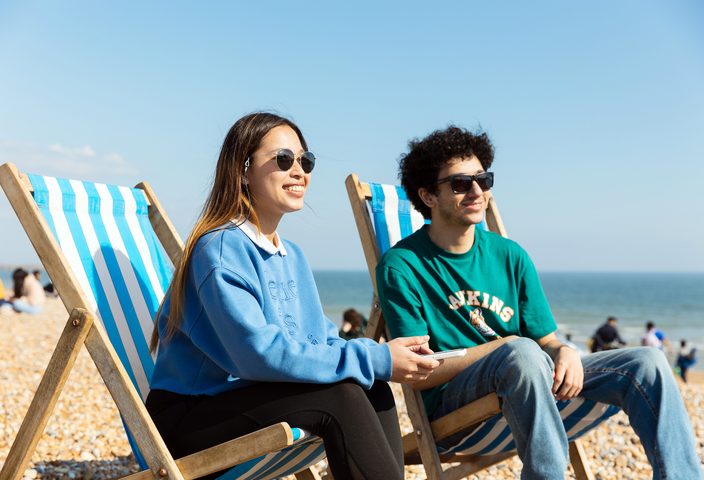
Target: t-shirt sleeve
400, 303
535, 315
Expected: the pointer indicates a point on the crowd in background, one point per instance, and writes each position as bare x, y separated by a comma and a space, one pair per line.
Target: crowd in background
607, 337
26, 295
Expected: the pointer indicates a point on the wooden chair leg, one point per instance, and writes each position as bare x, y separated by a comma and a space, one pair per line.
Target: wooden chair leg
376, 325
308, 474
580, 464
53, 381
424, 434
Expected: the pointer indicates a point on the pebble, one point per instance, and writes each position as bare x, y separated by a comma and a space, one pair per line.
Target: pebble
84, 439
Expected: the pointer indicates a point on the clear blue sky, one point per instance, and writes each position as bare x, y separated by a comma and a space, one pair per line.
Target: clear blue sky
596, 110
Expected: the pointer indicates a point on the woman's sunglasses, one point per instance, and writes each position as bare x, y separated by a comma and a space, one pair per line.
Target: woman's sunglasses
463, 183
285, 159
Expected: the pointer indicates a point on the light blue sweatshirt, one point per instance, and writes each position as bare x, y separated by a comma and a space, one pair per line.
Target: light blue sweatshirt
252, 316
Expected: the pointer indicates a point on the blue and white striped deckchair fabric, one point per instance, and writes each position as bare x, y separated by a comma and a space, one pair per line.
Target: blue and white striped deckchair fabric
394, 218
106, 236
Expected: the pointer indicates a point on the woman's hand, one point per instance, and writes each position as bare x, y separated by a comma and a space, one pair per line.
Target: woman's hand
408, 365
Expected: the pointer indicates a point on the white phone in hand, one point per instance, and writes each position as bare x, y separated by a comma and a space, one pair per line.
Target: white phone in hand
460, 352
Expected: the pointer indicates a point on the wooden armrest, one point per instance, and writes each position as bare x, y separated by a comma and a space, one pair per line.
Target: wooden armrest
462, 418
228, 454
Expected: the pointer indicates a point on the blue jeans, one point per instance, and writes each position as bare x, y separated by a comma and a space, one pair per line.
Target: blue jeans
638, 380
24, 307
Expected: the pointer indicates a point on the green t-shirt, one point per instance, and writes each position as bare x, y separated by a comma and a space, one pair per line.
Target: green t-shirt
461, 300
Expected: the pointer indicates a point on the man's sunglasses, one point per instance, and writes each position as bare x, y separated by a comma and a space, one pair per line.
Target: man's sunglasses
463, 183
285, 159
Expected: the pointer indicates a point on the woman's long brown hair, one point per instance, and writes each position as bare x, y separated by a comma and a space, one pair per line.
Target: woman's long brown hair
228, 199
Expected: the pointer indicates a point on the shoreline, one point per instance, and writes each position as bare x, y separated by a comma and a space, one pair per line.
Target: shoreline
84, 439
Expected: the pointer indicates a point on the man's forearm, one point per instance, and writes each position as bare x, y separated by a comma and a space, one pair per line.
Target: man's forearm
552, 347
450, 367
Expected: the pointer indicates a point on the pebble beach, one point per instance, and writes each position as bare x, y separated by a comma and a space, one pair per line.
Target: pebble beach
84, 438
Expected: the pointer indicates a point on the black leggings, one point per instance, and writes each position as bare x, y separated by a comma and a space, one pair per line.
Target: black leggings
359, 427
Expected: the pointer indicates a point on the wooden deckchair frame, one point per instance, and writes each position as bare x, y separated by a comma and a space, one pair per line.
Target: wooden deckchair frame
419, 445
81, 330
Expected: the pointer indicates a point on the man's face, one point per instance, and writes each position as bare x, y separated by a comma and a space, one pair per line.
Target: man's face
459, 209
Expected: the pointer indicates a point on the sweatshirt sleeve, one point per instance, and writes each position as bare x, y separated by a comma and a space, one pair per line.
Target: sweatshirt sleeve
332, 333
235, 334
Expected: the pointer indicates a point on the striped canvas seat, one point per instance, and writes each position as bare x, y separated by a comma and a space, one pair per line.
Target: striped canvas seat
395, 218
105, 234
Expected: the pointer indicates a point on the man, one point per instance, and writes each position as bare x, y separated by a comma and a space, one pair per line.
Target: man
606, 335
469, 288
686, 358
654, 337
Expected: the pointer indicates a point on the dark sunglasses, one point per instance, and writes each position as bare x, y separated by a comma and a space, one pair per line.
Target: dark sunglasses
463, 183
285, 159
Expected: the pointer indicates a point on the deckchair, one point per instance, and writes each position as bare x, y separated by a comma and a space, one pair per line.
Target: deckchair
384, 215
105, 247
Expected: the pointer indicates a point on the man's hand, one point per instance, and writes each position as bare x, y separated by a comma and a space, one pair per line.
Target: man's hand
568, 376
407, 363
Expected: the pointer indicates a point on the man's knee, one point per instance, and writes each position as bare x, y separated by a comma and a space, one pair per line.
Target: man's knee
647, 363
523, 358
524, 349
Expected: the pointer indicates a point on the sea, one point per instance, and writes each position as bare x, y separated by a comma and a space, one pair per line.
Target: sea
580, 302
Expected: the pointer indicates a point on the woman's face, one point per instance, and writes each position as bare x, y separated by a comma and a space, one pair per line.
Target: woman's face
276, 192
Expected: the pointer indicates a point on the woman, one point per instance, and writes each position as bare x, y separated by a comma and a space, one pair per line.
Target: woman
27, 293
353, 324
243, 341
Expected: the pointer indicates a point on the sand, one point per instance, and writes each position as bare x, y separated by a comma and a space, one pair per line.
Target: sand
85, 440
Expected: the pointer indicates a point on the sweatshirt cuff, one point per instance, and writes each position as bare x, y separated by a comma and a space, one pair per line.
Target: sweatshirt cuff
381, 361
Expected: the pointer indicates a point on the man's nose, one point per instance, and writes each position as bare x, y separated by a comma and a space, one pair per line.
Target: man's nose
476, 190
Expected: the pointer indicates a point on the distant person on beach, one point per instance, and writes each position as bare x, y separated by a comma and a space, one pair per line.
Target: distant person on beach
469, 288
50, 290
686, 358
48, 287
607, 337
27, 293
654, 337
2, 291
243, 340
353, 324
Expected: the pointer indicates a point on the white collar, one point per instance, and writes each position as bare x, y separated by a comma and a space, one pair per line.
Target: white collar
249, 229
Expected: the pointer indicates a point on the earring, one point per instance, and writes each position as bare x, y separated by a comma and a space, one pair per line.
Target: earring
245, 180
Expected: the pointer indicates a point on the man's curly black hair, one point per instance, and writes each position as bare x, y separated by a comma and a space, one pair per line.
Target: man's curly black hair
420, 166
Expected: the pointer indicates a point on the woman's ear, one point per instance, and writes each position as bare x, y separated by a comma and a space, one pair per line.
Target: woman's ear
429, 198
